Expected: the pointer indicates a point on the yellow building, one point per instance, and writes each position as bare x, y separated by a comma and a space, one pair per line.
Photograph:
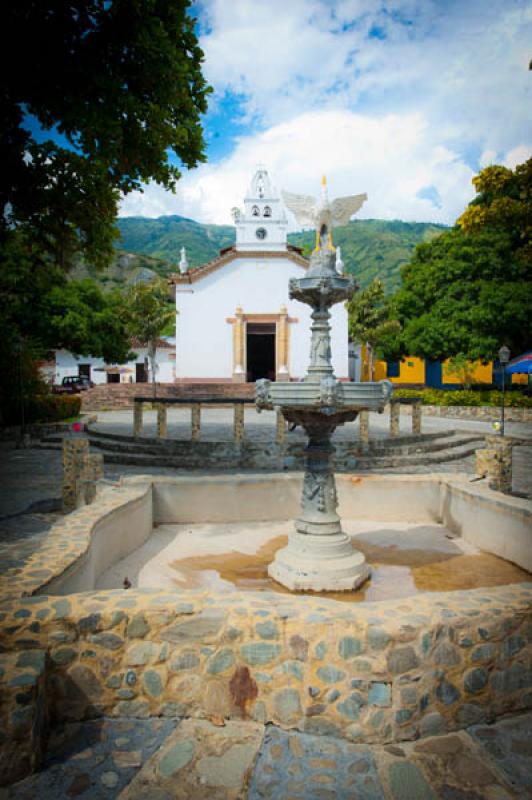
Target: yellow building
414, 371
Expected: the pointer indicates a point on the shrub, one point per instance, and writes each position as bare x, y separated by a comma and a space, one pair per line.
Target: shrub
466, 397
52, 408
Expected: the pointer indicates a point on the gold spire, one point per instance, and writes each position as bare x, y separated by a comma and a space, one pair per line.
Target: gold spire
324, 180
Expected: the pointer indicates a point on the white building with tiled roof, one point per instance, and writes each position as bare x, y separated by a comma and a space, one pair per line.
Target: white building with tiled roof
137, 371
234, 319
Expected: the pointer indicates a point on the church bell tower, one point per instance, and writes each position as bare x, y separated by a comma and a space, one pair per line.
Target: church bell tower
262, 224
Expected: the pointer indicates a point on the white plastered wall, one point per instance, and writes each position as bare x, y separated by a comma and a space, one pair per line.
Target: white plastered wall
204, 338
67, 364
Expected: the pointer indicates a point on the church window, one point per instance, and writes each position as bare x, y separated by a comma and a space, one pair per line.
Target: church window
267, 211
255, 211
260, 233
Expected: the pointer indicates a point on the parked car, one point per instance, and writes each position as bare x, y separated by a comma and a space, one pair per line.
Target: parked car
73, 384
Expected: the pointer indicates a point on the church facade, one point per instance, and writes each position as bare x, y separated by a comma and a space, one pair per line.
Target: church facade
234, 319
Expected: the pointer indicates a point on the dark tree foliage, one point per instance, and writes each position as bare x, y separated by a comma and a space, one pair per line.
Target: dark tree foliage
41, 310
469, 290
121, 82
95, 96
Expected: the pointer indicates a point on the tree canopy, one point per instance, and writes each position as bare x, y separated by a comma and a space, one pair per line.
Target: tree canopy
469, 290
40, 307
370, 320
149, 310
97, 98
118, 83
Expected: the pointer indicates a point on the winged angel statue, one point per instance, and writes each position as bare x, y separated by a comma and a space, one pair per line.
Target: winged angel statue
322, 214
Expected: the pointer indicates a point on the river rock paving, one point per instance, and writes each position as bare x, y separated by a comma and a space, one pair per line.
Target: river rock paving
169, 759
92, 760
509, 745
298, 765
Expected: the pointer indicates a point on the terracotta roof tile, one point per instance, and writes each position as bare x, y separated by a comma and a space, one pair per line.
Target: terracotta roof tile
229, 254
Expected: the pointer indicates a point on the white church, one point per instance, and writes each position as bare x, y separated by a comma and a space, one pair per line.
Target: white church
234, 319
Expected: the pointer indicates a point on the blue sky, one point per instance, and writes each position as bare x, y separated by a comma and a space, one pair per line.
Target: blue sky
405, 100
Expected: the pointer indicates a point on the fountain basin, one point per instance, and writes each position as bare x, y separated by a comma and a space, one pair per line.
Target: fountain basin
375, 670
90, 541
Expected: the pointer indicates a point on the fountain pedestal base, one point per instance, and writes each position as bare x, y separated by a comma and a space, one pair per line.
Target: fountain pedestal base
323, 563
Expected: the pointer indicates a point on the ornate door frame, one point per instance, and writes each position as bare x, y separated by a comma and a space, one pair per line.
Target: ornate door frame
282, 341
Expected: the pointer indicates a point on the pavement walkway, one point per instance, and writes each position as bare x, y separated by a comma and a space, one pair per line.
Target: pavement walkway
217, 425
30, 479
171, 759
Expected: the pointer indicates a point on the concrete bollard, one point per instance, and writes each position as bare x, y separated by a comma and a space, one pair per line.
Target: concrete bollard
280, 427
73, 452
416, 417
394, 418
195, 422
482, 459
138, 410
238, 422
363, 421
496, 461
162, 426
91, 473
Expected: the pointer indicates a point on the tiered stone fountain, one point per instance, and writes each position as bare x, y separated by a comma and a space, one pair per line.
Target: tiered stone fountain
319, 555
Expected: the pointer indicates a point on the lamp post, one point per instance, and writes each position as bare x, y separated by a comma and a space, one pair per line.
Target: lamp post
504, 357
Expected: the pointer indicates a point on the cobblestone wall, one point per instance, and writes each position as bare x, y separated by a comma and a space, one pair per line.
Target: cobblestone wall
485, 413
381, 673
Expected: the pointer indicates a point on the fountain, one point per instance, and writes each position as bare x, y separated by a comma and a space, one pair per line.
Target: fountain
319, 555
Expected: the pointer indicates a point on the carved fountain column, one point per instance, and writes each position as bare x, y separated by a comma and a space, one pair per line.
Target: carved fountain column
319, 555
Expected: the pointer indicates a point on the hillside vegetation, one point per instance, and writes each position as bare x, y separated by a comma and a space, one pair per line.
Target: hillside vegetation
374, 248
165, 236
370, 248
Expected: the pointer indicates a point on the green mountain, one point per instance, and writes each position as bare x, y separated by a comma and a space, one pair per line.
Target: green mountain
370, 248
126, 269
164, 237
375, 248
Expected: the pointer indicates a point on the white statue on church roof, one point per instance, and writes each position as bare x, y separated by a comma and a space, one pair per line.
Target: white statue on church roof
339, 262
321, 214
183, 264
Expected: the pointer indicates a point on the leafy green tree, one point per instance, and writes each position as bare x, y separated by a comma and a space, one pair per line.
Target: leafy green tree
41, 310
97, 97
462, 367
149, 310
120, 86
371, 322
469, 290
503, 203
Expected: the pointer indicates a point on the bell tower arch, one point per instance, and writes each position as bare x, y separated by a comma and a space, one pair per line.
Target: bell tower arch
262, 223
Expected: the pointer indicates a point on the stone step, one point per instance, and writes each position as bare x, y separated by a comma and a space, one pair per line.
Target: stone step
213, 458
161, 448
378, 442
183, 448
440, 457
167, 447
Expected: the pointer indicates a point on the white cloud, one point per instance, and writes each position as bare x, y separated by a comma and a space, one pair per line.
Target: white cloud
392, 158
517, 156
397, 99
462, 65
